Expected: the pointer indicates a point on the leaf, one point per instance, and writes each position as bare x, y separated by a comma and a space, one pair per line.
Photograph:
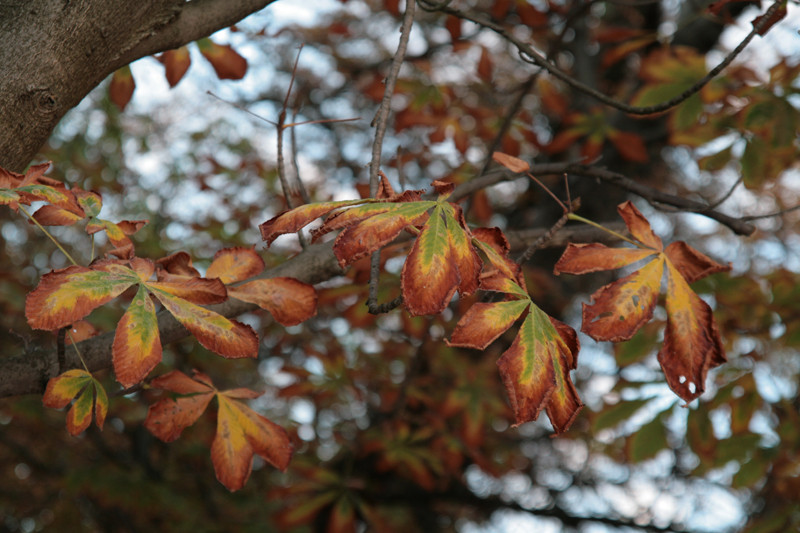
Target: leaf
122, 86
512, 163
288, 300
294, 220
241, 432
176, 62
67, 295
441, 261
235, 264
535, 372
485, 322
167, 418
222, 336
88, 393
691, 343
228, 64
137, 347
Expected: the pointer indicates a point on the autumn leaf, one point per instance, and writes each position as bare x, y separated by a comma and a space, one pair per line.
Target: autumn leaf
87, 392
691, 342
442, 260
241, 432
122, 86
535, 369
290, 301
228, 64
67, 295
176, 62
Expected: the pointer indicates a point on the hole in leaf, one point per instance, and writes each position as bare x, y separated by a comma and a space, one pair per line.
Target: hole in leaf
682, 379
692, 387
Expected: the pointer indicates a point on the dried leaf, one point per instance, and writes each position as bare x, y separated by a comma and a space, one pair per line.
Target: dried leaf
122, 87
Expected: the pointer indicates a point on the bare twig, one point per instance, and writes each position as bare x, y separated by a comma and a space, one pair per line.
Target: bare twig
547, 236
529, 55
380, 122
741, 226
772, 215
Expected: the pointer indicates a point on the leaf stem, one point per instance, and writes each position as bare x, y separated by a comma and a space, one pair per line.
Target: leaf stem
573, 216
74, 345
58, 245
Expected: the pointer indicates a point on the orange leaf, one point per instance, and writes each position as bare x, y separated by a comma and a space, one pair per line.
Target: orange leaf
179, 263
225, 337
167, 418
619, 309
430, 276
137, 347
122, 86
201, 291
88, 393
367, 236
226, 62
176, 63
235, 264
241, 433
593, 257
512, 163
288, 300
484, 322
692, 264
294, 220
67, 295
691, 342
535, 371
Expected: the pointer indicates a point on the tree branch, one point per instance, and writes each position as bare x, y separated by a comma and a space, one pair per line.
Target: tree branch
28, 372
539, 60
741, 226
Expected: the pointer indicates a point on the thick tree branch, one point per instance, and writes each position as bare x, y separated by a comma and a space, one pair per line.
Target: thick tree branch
28, 372
52, 53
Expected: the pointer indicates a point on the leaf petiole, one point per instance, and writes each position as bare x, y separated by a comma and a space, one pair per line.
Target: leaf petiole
58, 245
74, 345
573, 216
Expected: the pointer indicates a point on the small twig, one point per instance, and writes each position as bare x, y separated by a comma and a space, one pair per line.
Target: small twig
380, 122
772, 215
49, 235
62, 360
542, 241
77, 351
726, 195
300, 185
242, 108
539, 60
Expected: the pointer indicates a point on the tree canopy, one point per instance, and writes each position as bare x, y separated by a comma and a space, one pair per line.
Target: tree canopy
372, 265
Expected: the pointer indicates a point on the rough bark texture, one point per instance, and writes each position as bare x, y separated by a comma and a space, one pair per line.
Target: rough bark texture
53, 52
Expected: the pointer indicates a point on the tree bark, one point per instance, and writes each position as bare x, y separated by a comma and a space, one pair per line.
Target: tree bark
53, 52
